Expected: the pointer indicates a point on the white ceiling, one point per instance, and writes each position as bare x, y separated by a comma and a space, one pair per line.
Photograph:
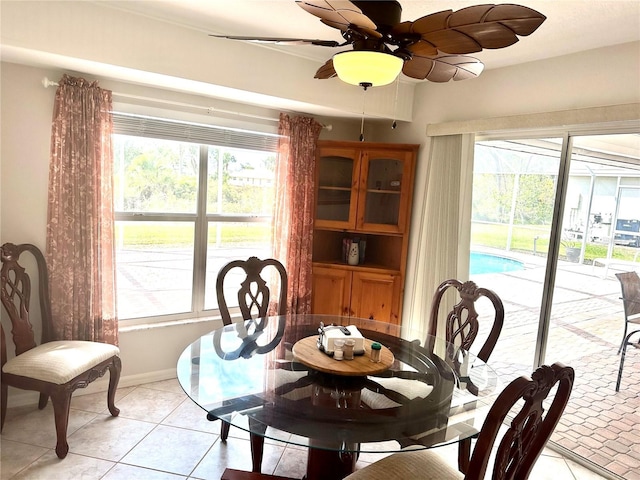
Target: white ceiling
571, 26
170, 48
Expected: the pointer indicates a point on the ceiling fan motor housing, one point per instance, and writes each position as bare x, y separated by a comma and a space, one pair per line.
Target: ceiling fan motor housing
385, 14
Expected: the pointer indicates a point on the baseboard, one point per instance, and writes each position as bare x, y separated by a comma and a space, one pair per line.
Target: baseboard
20, 398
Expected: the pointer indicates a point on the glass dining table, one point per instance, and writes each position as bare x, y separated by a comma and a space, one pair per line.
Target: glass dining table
257, 376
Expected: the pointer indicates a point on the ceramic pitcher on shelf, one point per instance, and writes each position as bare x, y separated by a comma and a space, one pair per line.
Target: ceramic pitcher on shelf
354, 254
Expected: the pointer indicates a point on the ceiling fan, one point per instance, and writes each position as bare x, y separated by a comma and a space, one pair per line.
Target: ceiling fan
434, 47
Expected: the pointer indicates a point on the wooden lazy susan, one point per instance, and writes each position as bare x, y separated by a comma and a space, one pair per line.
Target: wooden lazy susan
306, 352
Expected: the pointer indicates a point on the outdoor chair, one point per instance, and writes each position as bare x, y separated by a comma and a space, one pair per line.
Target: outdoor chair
254, 300
53, 368
527, 432
462, 327
630, 285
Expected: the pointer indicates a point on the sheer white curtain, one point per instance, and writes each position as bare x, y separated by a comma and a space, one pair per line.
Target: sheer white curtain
440, 247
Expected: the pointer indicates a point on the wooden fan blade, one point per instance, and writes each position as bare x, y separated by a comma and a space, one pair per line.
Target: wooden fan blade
282, 41
423, 49
337, 13
471, 29
326, 70
366, 32
522, 20
443, 68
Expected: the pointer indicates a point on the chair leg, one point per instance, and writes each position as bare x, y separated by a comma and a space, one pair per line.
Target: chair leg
257, 444
257, 449
625, 341
42, 401
114, 377
224, 430
4, 395
624, 336
624, 351
61, 401
464, 455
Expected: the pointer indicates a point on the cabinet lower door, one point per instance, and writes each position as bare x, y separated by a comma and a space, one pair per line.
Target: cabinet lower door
375, 296
331, 291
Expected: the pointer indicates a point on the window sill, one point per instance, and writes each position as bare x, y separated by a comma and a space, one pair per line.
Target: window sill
169, 323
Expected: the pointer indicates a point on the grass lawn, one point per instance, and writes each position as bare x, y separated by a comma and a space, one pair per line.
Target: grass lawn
176, 234
524, 238
535, 239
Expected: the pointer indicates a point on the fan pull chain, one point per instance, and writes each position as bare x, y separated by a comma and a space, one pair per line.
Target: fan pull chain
364, 98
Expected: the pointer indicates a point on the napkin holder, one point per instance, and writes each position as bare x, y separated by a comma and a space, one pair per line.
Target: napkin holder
330, 333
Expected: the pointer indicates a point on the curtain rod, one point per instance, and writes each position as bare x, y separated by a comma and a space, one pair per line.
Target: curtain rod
50, 83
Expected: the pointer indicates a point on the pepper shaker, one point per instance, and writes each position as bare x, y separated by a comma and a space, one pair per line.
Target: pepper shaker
348, 349
376, 351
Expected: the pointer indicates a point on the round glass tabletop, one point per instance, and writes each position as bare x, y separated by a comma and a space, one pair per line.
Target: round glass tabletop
246, 374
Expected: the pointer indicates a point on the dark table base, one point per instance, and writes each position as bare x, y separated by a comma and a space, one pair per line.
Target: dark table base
321, 465
329, 464
231, 474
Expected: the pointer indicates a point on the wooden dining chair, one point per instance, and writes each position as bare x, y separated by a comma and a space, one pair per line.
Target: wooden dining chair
53, 368
528, 430
630, 285
253, 298
462, 327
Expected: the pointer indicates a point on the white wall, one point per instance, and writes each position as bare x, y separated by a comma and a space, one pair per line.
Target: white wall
601, 77
605, 76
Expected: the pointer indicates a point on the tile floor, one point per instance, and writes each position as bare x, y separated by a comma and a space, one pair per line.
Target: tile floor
161, 435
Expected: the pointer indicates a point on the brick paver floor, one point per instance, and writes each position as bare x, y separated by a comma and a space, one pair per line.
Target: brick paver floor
587, 322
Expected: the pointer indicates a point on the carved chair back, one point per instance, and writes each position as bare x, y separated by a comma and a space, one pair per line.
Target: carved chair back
528, 430
462, 324
15, 294
253, 294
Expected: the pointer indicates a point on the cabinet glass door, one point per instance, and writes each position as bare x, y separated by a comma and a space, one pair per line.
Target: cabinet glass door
336, 198
384, 188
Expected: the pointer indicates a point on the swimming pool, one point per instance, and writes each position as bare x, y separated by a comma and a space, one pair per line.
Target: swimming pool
486, 263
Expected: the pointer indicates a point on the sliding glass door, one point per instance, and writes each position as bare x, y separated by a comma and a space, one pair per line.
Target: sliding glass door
600, 236
514, 187
553, 220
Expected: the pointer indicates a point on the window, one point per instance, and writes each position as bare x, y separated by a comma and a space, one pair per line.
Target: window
188, 198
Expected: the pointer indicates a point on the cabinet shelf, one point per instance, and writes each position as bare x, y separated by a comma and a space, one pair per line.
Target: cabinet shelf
383, 251
387, 192
341, 189
364, 267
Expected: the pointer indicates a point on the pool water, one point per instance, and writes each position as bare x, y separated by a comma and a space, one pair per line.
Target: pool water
485, 263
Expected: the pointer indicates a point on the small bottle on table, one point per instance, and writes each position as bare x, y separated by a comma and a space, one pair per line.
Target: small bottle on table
376, 351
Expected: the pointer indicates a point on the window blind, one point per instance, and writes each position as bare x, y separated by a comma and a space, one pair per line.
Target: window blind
144, 126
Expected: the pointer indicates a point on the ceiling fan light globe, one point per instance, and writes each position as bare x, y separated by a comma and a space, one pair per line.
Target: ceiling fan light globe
364, 67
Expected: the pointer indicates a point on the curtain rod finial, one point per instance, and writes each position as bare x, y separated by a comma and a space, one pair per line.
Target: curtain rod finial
48, 83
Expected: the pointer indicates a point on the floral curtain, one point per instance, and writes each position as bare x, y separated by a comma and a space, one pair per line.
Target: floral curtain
79, 247
293, 218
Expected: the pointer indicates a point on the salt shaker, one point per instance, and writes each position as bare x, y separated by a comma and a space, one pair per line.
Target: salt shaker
376, 351
348, 349
338, 352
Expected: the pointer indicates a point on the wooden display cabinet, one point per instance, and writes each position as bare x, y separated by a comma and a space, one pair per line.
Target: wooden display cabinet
363, 191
